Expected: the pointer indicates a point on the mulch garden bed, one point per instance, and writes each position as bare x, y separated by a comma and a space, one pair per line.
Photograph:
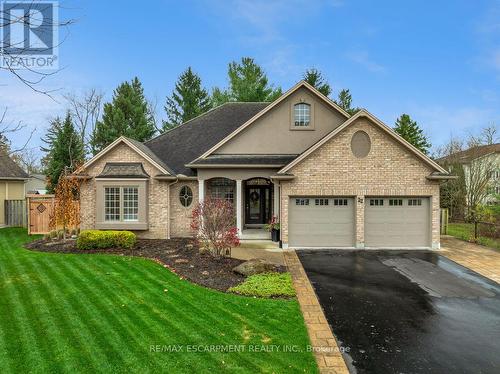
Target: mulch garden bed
180, 255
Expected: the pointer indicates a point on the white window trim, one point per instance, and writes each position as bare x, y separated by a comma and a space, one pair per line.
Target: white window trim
122, 204
311, 125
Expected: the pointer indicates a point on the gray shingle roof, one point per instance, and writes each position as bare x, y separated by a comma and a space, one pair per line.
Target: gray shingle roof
9, 169
123, 170
280, 160
151, 154
190, 140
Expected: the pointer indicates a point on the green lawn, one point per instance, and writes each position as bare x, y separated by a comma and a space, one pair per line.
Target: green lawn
100, 313
465, 231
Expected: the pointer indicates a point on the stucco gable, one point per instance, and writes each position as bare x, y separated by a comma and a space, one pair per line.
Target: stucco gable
385, 133
270, 140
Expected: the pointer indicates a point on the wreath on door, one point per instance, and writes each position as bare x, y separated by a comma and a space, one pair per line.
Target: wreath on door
254, 196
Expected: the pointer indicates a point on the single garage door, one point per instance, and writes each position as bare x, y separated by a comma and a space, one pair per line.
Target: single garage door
397, 222
321, 222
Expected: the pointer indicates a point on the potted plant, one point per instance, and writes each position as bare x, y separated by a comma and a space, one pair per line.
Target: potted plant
273, 226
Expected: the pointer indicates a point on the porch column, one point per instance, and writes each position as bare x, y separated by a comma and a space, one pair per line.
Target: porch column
239, 203
276, 202
201, 190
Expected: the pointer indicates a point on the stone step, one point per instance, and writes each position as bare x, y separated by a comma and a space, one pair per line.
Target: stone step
263, 244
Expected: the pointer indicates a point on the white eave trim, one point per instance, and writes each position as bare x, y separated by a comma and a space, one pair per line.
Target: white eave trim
302, 83
114, 144
12, 179
381, 125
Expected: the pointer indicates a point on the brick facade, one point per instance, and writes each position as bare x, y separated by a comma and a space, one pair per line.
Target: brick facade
180, 216
157, 196
332, 170
388, 170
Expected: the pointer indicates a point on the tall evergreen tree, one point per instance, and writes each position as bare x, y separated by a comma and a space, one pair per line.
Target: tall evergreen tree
247, 82
128, 114
315, 78
220, 97
64, 149
344, 100
188, 100
412, 133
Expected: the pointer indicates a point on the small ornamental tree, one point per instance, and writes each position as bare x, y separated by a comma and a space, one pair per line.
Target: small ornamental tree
213, 223
66, 212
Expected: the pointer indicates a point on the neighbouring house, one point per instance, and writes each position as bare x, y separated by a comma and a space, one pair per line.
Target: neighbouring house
333, 180
12, 183
483, 162
36, 184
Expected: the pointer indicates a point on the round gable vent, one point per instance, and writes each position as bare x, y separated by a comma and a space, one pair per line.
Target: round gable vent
360, 144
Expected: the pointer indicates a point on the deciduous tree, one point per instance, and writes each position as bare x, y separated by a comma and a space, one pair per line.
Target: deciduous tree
85, 110
66, 214
213, 222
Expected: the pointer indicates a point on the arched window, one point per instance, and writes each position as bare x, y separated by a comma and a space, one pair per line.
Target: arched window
302, 114
186, 196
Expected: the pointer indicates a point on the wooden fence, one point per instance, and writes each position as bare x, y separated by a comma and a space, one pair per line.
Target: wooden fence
15, 213
40, 208
40, 211
444, 217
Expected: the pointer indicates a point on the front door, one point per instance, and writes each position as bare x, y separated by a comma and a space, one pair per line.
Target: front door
258, 206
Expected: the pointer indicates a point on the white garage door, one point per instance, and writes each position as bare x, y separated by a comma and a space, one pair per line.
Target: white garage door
321, 222
397, 222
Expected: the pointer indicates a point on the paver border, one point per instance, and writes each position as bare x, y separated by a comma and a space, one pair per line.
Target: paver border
325, 347
481, 259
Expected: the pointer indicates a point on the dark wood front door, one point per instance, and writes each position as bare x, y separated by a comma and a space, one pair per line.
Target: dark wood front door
258, 206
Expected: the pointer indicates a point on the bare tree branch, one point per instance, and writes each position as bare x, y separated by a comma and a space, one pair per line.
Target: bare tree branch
85, 110
17, 52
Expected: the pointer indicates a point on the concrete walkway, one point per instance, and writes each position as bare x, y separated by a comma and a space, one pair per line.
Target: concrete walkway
261, 250
326, 350
482, 260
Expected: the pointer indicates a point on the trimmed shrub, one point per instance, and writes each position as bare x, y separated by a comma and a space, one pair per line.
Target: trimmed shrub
266, 285
96, 239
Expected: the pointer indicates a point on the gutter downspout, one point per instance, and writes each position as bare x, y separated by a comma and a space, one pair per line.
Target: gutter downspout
169, 205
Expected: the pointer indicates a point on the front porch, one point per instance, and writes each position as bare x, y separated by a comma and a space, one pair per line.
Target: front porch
255, 234
255, 199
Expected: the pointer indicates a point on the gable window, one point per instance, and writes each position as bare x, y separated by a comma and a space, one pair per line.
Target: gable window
121, 204
186, 196
302, 115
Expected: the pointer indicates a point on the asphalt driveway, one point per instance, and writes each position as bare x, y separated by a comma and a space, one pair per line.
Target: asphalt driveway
407, 311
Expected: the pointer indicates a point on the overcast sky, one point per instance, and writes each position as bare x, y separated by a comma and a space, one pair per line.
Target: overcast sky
439, 61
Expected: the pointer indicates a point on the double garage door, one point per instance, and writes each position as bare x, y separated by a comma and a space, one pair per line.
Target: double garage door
390, 222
